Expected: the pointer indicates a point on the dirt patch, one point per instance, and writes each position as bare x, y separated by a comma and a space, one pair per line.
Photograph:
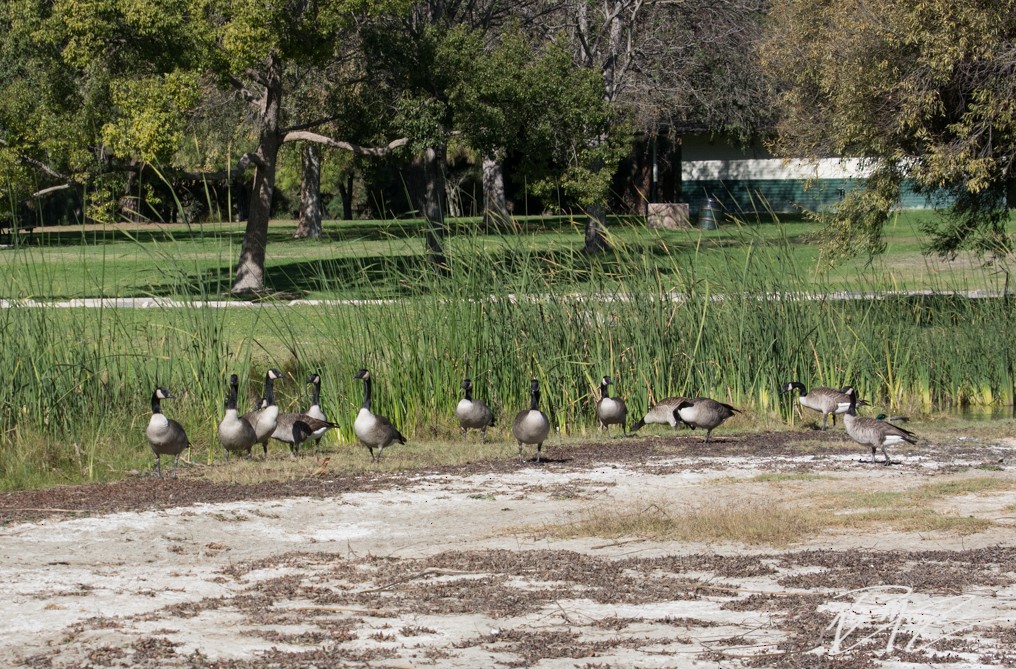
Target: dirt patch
443, 568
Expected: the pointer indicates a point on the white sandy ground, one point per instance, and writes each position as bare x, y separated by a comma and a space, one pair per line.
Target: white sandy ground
89, 591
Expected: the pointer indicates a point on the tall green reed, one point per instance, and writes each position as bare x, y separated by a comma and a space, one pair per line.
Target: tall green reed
731, 315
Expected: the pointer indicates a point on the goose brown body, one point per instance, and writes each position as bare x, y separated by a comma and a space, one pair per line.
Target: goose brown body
531, 426
872, 432
314, 410
372, 430
663, 412
165, 435
473, 413
610, 410
264, 418
296, 428
827, 401
705, 413
236, 434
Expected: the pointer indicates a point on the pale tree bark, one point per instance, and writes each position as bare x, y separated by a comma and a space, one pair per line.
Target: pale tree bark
606, 41
453, 196
310, 193
495, 206
250, 269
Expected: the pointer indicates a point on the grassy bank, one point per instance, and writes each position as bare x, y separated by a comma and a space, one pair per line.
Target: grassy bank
719, 314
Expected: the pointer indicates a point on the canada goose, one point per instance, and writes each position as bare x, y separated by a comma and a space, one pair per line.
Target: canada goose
704, 412
236, 434
610, 410
873, 432
165, 435
473, 413
531, 426
315, 409
663, 412
827, 401
371, 429
264, 417
296, 428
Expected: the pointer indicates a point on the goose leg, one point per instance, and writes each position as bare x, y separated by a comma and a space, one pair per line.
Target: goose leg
464, 432
483, 435
176, 461
873, 455
158, 466
824, 417
539, 447
886, 454
520, 452
708, 434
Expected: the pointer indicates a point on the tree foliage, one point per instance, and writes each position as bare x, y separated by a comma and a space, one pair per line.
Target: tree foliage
924, 91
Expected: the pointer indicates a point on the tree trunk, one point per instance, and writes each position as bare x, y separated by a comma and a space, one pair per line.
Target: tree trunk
428, 203
495, 207
346, 193
310, 193
250, 270
596, 226
596, 229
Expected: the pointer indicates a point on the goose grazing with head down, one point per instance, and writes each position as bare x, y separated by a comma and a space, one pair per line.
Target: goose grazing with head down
373, 430
827, 401
610, 410
315, 411
264, 417
873, 432
531, 426
705, 413
295, 428
473, 413
663, 412
236, 434
165, 436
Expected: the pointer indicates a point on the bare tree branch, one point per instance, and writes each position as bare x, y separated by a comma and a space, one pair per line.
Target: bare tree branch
305, 136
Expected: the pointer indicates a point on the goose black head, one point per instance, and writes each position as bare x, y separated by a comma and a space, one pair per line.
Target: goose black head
314, 378
605, 381
791, 385
534, 387
234, 380
467, 384
163, 394
273, 374
363, 375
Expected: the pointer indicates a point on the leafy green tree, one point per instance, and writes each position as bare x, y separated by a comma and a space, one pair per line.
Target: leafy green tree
530, 100
138, 70
924, 92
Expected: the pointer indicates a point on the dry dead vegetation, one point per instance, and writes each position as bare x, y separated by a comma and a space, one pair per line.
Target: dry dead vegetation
631, 553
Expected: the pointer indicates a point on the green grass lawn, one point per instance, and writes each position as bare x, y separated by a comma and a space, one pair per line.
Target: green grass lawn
365, 259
